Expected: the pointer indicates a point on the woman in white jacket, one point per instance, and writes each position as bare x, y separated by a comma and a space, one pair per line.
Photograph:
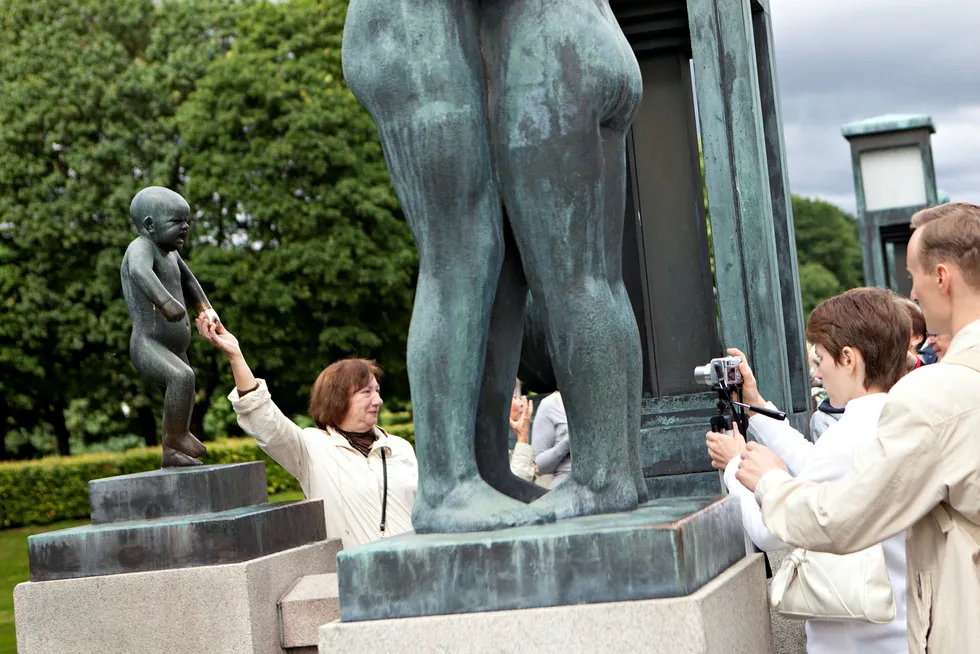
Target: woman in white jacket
366, 477
861, 341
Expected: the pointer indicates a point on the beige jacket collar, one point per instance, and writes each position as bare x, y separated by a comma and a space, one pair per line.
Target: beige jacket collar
967, 338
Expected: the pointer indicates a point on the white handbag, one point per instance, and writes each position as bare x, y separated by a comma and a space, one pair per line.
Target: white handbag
843, 587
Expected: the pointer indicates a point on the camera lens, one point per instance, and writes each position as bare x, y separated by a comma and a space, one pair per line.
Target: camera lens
702, 374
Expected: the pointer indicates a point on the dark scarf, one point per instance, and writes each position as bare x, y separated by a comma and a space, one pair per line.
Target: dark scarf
827, 407
360, 441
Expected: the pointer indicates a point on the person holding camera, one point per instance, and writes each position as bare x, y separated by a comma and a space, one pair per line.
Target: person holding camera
921, 472
860, 341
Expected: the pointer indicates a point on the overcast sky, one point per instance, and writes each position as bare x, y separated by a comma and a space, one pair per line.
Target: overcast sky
845, 60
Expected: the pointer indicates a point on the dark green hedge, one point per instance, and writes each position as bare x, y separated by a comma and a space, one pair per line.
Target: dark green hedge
43, 491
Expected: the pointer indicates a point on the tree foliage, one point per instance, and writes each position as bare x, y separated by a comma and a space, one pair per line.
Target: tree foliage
287, 175
828, 249
240, 106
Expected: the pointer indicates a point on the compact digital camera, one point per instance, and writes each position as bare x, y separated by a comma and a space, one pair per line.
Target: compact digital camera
720, 374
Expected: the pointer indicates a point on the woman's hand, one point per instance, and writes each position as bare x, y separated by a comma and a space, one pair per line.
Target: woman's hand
517, 404
750, 388
226, 343
723, 448
211, 315
216, 334
523, 408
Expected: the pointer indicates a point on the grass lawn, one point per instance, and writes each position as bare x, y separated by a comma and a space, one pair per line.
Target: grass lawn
13, 568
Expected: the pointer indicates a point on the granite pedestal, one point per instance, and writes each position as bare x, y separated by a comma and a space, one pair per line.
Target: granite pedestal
201, 610
312, 602
666, 548
176, 560
728, 615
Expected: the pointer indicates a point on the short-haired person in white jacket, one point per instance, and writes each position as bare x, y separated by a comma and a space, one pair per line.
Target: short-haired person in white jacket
861, 341
346, 460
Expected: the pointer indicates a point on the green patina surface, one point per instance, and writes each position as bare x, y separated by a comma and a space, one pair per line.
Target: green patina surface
176, 518
177, 492
504, 130
878, 133
888, 123
752, 234
666, 548
175, 542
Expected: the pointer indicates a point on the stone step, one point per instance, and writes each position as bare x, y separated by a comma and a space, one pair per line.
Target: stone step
312, 602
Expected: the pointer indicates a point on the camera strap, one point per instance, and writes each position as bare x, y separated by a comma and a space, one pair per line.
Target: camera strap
384, 496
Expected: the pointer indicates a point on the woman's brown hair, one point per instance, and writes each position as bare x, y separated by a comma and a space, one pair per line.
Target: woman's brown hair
873, 322
916, 316
331, 393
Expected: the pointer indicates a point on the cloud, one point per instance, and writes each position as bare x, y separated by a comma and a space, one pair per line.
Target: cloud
841, 60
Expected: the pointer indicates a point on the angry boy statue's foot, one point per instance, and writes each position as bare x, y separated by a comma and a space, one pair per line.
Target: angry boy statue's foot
572, 498
174, 459
185, 443
474, 505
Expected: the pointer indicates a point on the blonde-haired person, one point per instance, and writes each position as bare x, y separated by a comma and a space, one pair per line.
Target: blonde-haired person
860, 344
922, 470
366, 477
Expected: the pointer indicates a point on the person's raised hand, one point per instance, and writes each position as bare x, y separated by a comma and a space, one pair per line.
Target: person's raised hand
756, 462
203, 324
522, 424
218, 336
517, 404
204, 319
750, 388
723, 447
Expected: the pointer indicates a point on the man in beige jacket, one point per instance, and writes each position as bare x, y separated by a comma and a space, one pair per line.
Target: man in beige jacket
922, 472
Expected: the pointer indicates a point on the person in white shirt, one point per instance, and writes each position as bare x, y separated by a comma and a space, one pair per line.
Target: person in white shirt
366, 477
549, 438
861, 339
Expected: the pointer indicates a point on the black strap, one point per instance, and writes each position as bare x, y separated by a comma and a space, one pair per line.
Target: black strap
384, 498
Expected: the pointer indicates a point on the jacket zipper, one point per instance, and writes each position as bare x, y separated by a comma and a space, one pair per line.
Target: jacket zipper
382, 532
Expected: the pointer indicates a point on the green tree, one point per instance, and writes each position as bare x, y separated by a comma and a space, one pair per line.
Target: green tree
300, 242
240, 106
816, 285
66, 161
828, 249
